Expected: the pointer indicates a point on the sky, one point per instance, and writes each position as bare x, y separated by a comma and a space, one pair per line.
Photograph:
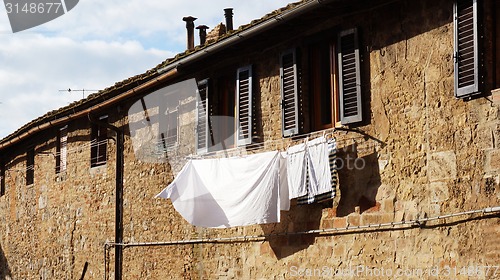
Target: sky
95, 45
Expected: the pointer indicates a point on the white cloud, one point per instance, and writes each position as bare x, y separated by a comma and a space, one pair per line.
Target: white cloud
96, 44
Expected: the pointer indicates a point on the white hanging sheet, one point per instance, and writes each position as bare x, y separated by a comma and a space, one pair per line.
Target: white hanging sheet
228, 192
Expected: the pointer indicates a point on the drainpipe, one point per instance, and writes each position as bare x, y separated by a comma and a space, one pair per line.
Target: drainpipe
120, 139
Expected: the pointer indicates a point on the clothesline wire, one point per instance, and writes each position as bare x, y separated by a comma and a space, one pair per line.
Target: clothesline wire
248, 148
92, 144
254, 238
259, 145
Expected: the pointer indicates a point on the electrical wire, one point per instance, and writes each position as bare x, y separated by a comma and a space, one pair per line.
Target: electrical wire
254, 238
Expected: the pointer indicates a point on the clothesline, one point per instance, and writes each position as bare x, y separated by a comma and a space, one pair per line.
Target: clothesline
260, 145
237, 191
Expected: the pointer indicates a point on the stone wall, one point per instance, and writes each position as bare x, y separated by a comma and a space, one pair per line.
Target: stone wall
421, 153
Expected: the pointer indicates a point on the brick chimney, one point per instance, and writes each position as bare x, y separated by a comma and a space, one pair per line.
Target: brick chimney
228, 13
190, 31
203, 34
218, 31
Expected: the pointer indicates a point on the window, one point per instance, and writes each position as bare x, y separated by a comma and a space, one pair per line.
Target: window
333, 86
466, 55
99, 143
224, 111
30, 166
2, 179
62, 149
244, 106
169, 128
323, 85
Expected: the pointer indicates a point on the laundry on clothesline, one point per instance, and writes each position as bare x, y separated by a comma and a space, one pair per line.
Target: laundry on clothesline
238, 191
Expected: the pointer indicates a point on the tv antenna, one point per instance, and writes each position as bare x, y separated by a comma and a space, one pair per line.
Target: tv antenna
79, 90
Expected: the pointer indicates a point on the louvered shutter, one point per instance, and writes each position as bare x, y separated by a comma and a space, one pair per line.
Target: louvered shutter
349, 77
466, 56
202, 117
289, 93
244, 105
63, 150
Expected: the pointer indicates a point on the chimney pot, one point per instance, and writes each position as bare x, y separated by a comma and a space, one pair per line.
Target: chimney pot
228, 13
203, 33
190, 31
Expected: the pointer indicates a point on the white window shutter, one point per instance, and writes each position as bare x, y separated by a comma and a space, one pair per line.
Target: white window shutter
349, 77
244, 95
289, 93
202, 129
466, 56
63, 148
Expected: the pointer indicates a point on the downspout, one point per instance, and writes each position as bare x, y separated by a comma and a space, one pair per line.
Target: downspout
120, 139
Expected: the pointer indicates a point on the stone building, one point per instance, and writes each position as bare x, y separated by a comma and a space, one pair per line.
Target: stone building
408, 90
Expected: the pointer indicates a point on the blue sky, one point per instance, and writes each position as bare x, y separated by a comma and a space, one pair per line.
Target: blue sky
95, 45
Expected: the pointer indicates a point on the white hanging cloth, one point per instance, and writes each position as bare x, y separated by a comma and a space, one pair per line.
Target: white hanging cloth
296, 167
318, 167
228, 192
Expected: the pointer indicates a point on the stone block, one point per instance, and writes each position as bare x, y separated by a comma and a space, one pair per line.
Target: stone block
438, 192
496, 135
387, 205
353, 220
442, 166
340, 222
484, 138
372, 219
495, 96
492, 160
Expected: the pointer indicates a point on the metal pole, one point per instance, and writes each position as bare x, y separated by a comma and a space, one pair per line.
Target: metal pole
118, 194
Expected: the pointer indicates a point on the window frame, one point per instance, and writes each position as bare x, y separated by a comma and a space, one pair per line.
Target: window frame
169, 142
30, 166
317, 65
2, 178
99, 150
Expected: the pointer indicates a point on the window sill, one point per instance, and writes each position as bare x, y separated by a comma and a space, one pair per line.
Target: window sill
98, 169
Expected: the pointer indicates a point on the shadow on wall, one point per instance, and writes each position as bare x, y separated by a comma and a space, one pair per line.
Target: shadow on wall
359, 181
300, 218
4, 266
